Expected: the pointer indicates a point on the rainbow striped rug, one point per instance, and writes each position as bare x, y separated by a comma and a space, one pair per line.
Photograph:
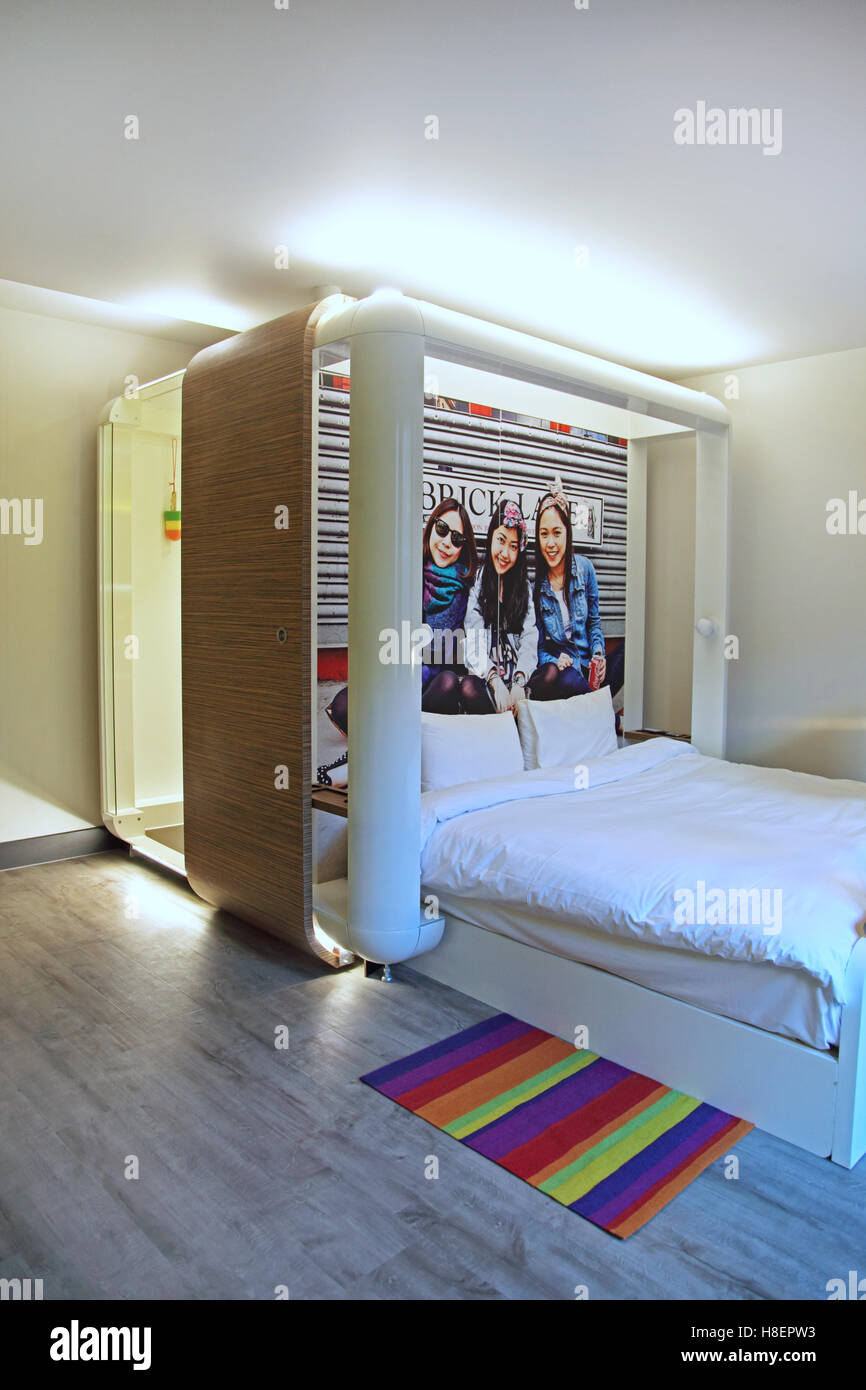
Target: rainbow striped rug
604, 1141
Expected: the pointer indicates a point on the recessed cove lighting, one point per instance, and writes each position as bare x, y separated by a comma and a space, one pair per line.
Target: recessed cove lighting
192, 307
524, 273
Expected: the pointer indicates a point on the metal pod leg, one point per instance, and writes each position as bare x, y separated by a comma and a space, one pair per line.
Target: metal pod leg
376, 968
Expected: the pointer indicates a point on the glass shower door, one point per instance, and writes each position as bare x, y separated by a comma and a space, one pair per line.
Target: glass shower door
139, 621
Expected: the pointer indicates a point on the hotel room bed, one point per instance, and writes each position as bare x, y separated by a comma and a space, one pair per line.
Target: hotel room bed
627, 873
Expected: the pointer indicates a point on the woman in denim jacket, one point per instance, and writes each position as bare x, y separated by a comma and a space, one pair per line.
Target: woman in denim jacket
566, 607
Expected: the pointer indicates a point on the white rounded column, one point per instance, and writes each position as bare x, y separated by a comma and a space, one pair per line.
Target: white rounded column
386, 436
710, 667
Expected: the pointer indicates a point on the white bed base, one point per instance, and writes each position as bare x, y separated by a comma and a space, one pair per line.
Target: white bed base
814, 1099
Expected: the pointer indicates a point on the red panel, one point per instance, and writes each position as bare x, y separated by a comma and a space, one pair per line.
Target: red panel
333, 664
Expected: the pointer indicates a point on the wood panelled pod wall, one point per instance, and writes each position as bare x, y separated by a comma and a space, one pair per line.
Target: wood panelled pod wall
247, 449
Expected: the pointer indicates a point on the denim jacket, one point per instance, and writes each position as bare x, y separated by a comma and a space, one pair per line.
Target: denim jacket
586, 634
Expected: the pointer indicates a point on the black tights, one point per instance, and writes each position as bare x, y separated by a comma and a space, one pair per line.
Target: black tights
446, 692
549, 683
475, 696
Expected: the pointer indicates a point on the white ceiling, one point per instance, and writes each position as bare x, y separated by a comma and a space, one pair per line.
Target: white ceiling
305, 127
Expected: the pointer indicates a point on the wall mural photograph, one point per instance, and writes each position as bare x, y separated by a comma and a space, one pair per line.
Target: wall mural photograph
524, 560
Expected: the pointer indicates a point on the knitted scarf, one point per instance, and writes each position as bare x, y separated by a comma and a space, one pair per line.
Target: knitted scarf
442, 587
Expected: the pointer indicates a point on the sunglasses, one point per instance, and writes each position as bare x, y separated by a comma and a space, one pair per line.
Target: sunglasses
442, 530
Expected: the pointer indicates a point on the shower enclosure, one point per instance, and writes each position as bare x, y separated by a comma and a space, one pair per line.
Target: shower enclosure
140, 621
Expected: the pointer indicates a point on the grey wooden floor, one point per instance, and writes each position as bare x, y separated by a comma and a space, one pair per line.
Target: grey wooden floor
136, 1021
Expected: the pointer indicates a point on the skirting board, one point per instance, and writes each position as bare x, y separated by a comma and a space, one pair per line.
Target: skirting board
782, 1086
70, 844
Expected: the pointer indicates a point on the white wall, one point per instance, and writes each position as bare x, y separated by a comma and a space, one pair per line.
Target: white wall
55, 377
797, 694
670, 584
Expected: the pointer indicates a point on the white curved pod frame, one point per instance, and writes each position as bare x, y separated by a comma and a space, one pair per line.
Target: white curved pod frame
386, 435
387, 337
378, 913
710, 666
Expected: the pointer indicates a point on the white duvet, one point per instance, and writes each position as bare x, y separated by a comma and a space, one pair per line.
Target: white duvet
666, 846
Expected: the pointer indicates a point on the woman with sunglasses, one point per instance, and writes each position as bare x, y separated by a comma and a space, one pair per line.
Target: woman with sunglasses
501, 636
450, 560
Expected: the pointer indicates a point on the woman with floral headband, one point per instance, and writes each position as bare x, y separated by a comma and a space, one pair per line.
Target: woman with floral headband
501, 636
450, 561
566, 606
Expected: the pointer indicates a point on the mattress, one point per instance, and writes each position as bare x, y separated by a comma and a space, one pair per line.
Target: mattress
739, 889
788, 1002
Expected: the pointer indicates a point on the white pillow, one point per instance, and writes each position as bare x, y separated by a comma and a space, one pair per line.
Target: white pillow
467, 748
557, 733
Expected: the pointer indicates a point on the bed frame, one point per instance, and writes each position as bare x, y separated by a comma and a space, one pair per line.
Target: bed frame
387, 338
814, 1099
